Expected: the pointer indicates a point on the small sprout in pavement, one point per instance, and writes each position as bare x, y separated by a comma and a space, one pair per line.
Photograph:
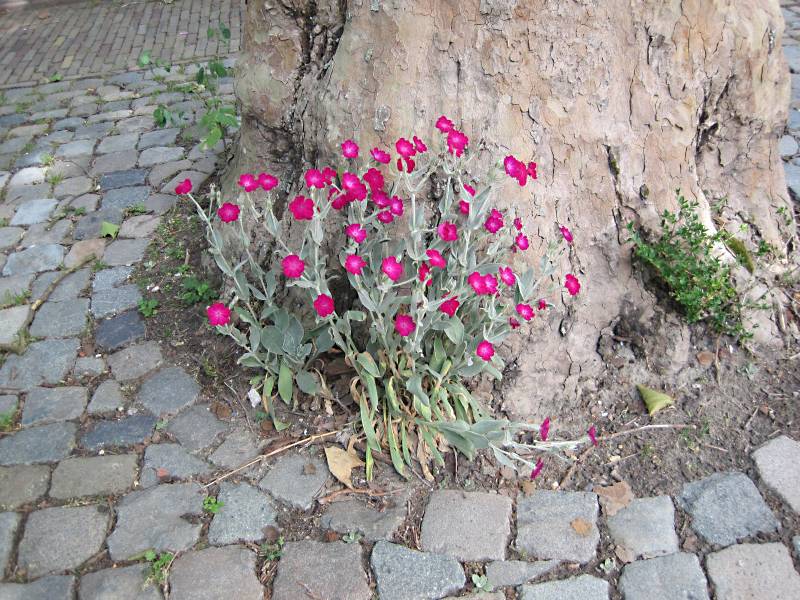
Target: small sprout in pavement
159, 566
16, 299
147, 307
272, 551
161, 424
7, 420
54, 178
212, 505
3, 222
351, 537
99, 265
48, 160
481, 583
136, 209
55, 77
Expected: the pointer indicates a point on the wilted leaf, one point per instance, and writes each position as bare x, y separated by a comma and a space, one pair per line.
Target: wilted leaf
615, 497
581, 527
341, 464
654, 400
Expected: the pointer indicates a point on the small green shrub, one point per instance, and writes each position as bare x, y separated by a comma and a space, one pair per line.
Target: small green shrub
196, 291
683, 259
148, 307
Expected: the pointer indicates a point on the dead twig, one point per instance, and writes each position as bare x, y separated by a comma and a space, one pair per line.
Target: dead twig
363, 491
307, 440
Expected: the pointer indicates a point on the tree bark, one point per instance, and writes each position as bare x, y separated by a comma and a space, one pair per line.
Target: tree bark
619, 102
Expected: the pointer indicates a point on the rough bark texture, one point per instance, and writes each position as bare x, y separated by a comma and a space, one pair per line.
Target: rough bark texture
619, 102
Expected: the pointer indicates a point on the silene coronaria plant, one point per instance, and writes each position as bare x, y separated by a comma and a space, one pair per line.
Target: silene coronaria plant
435, 294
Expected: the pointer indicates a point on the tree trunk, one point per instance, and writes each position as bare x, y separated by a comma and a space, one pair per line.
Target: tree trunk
619, 102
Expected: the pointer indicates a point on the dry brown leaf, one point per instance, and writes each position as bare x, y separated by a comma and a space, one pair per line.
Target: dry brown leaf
341, 464
624, 554
309, 469
581, 527
615, 497
705, 358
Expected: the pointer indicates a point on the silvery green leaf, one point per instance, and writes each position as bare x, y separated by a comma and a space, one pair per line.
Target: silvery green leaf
414, 385
303, 352
525, 283
242, 287
455, 330
249, 360
368, 364
307, 382
270, 223
293, 332
281, 318
355, 315
366, 300
255, 337
479, 206
245, 315
301, 283
316, 231
324, 341
503, 459
272, 339
489, 368
471, 369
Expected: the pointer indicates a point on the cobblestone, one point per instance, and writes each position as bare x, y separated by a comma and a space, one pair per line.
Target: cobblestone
321, 570
170, 460
583, 587
9, 522
93, 476
295, 479
106, 398
22, 484
778, 463
168, 391
673, 576
124, 432
244, 514
216, 573
46, 588
124, 583
45, 362
763, 571
405, 574
196, 428
48, 405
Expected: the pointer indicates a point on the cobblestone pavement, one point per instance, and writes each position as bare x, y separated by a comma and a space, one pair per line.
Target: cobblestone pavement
93, 38
110, 444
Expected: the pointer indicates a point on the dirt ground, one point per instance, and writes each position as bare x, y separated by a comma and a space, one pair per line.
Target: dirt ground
728, 401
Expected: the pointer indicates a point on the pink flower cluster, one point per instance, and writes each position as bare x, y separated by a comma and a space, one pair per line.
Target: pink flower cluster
516, 168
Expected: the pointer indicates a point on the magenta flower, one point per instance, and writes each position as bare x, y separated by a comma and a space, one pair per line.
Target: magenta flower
436, 258
381, 156
184, 187
525, 311
507, 276
419, 145
456, 142
478, 283
293, 266
356, 232
374, 179
314, 178
532, 170
490, 281
537, 469
396, 206
544, 429
405, 148
248, 182
572, 284
267, 181
513, 323
463, 207
385, 217
566, 233
392, 268
301, 208
354, 264
350, 149
448, 231
410, 164
485, 350
516, 169
381, 199
592, 433
354, 186
328, 174
444, 124
542, 304
517, 223
469, 189
323, 305
404, 325
228, 212
493, 225
449, 307
521, 241
340, 201
423, 272
218, 314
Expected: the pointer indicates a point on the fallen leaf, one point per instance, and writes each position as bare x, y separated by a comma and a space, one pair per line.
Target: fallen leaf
161, 473
615, 497
266, 426
581, 527
654, 400
528, 487
309, 469
222, 410
341, 463
705, 358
